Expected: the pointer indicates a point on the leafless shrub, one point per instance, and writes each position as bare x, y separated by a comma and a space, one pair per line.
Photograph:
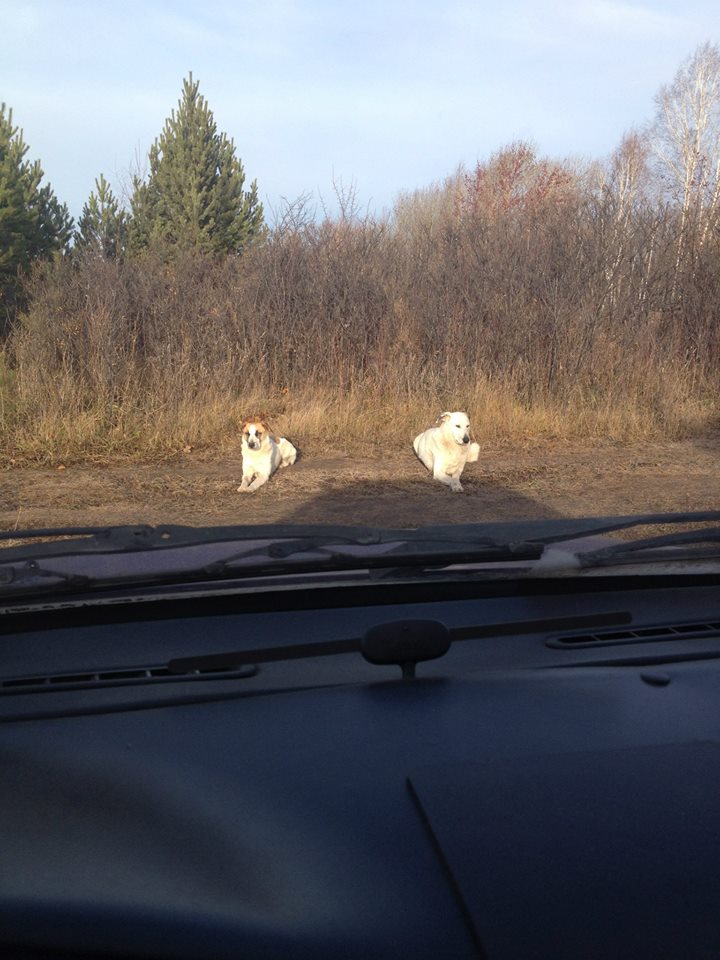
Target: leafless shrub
545, 297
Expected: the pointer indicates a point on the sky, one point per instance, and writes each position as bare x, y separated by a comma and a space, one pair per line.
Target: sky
327, 97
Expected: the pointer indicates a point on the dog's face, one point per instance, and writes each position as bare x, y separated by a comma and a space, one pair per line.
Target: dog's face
254, 433
458, 426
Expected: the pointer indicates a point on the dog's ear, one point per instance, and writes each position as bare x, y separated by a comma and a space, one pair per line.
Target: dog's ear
443, 418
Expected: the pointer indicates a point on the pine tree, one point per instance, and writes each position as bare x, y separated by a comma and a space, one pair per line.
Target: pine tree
14, 226
32, 222
194, 196
103, 225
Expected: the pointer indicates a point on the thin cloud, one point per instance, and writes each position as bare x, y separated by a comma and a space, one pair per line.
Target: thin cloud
627, 19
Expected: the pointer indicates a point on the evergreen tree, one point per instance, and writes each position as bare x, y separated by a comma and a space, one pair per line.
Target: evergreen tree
194, 196
32, 222
103, 225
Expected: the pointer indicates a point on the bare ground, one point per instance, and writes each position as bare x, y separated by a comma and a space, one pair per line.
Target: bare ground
367, 487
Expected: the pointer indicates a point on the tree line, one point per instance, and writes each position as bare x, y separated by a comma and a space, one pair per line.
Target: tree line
193, 198
587, 287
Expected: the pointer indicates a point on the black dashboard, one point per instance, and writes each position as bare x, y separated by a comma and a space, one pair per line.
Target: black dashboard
547, 788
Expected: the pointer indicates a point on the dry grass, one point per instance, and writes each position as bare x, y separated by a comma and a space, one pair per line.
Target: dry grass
324, 421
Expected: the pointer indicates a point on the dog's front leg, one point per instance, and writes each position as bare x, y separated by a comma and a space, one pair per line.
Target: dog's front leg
245, 483
258, 481
449, 480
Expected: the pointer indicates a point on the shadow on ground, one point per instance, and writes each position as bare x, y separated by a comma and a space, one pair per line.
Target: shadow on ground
414, 503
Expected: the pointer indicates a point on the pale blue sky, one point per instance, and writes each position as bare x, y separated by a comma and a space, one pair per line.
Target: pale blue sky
388, 95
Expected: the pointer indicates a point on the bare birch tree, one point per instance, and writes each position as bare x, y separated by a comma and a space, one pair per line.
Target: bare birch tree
686, 140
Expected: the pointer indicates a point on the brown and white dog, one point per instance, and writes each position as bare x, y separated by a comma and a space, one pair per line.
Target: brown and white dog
446, 448
262, 454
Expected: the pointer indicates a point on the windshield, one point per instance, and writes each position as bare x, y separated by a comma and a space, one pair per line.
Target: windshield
390, 266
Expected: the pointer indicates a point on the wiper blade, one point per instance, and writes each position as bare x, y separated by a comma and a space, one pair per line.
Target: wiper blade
157, 563
342, 554
61, 541
444, 546
666, 548
99, 557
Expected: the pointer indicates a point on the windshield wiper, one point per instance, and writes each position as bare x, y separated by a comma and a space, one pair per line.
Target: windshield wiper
666, 548
30, 577
65, 541
106, 557
687, 546
401, 550
295, 558
150, 555
146, 556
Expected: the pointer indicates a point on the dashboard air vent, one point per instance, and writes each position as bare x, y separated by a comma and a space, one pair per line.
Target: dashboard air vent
114, 677
677, 631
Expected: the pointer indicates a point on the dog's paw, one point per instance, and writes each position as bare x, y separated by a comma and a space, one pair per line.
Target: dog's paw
456, 487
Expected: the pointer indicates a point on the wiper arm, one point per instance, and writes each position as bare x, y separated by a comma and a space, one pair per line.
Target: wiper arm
66, 541
666, 548
275, 541
292, 550
100, 556
327, 552
32, 578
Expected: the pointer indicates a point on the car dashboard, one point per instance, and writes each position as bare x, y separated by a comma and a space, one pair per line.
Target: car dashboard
545, 788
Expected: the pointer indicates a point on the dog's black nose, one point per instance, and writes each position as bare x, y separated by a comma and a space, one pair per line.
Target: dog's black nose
466, 439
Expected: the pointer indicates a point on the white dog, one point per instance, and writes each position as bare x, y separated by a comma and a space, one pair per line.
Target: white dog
262, 454
446, 448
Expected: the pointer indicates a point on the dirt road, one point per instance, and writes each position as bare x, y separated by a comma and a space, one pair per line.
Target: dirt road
553, 480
